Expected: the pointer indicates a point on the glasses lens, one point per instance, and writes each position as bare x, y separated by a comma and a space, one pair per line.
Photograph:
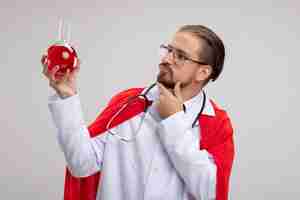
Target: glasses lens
177, 56
163, 51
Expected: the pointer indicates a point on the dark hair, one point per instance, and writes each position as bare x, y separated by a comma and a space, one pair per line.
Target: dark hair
213, 51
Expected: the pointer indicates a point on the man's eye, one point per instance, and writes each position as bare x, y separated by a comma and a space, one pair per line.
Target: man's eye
181, 56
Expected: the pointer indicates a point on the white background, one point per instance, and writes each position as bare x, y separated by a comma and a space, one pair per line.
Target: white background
118, 44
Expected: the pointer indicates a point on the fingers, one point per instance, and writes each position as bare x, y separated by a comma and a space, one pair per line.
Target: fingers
43, 59
45, 71
57, 78
163, 91
78, 62
52, 73
177, 91
66, 76
44, 64
75, 70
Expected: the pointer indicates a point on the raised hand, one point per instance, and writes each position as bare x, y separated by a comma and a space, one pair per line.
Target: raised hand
64, 86
169, 102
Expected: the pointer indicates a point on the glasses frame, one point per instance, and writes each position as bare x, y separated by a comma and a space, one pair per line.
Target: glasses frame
177, 53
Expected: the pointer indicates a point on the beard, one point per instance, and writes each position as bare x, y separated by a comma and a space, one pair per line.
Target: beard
166, 76
167, 79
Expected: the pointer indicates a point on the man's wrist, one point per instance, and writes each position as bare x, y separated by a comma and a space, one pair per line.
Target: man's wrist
65, 95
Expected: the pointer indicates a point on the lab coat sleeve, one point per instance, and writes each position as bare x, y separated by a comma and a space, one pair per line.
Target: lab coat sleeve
195, 166
82, 153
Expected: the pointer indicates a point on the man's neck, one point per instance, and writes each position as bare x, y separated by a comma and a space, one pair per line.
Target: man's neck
190, 91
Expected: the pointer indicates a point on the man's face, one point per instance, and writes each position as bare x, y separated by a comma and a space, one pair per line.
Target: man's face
171, 72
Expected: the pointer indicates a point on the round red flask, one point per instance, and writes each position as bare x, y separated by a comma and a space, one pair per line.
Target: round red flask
63, 55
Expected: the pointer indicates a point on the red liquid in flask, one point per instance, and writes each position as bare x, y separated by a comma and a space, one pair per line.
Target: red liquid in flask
62, 55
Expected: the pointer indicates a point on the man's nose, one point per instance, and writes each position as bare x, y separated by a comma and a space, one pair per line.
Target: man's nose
168, 58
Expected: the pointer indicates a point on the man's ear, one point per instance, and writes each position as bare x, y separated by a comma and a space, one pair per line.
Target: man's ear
203, 73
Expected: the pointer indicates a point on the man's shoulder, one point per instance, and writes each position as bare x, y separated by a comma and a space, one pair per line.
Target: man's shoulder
220, 113
221, 122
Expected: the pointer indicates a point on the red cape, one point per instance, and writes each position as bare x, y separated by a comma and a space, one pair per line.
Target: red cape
216, 138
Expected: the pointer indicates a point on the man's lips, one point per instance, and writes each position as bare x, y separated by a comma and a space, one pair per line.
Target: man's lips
163, 72
164, 68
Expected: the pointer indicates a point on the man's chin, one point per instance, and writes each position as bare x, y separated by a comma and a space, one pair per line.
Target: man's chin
166, 84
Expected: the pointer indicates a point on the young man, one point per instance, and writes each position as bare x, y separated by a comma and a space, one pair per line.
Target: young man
167, 141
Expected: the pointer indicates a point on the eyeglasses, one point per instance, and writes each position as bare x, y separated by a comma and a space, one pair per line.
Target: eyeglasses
179, 56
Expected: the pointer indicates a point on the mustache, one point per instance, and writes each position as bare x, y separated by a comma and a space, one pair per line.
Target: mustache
164, 66
164, 69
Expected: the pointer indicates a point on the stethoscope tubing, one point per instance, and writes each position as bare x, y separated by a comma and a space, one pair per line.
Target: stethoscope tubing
144, 96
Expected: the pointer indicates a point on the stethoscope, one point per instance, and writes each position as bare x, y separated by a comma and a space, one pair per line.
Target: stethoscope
147, 102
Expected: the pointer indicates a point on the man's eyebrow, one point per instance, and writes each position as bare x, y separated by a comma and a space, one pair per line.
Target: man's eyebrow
179, 50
